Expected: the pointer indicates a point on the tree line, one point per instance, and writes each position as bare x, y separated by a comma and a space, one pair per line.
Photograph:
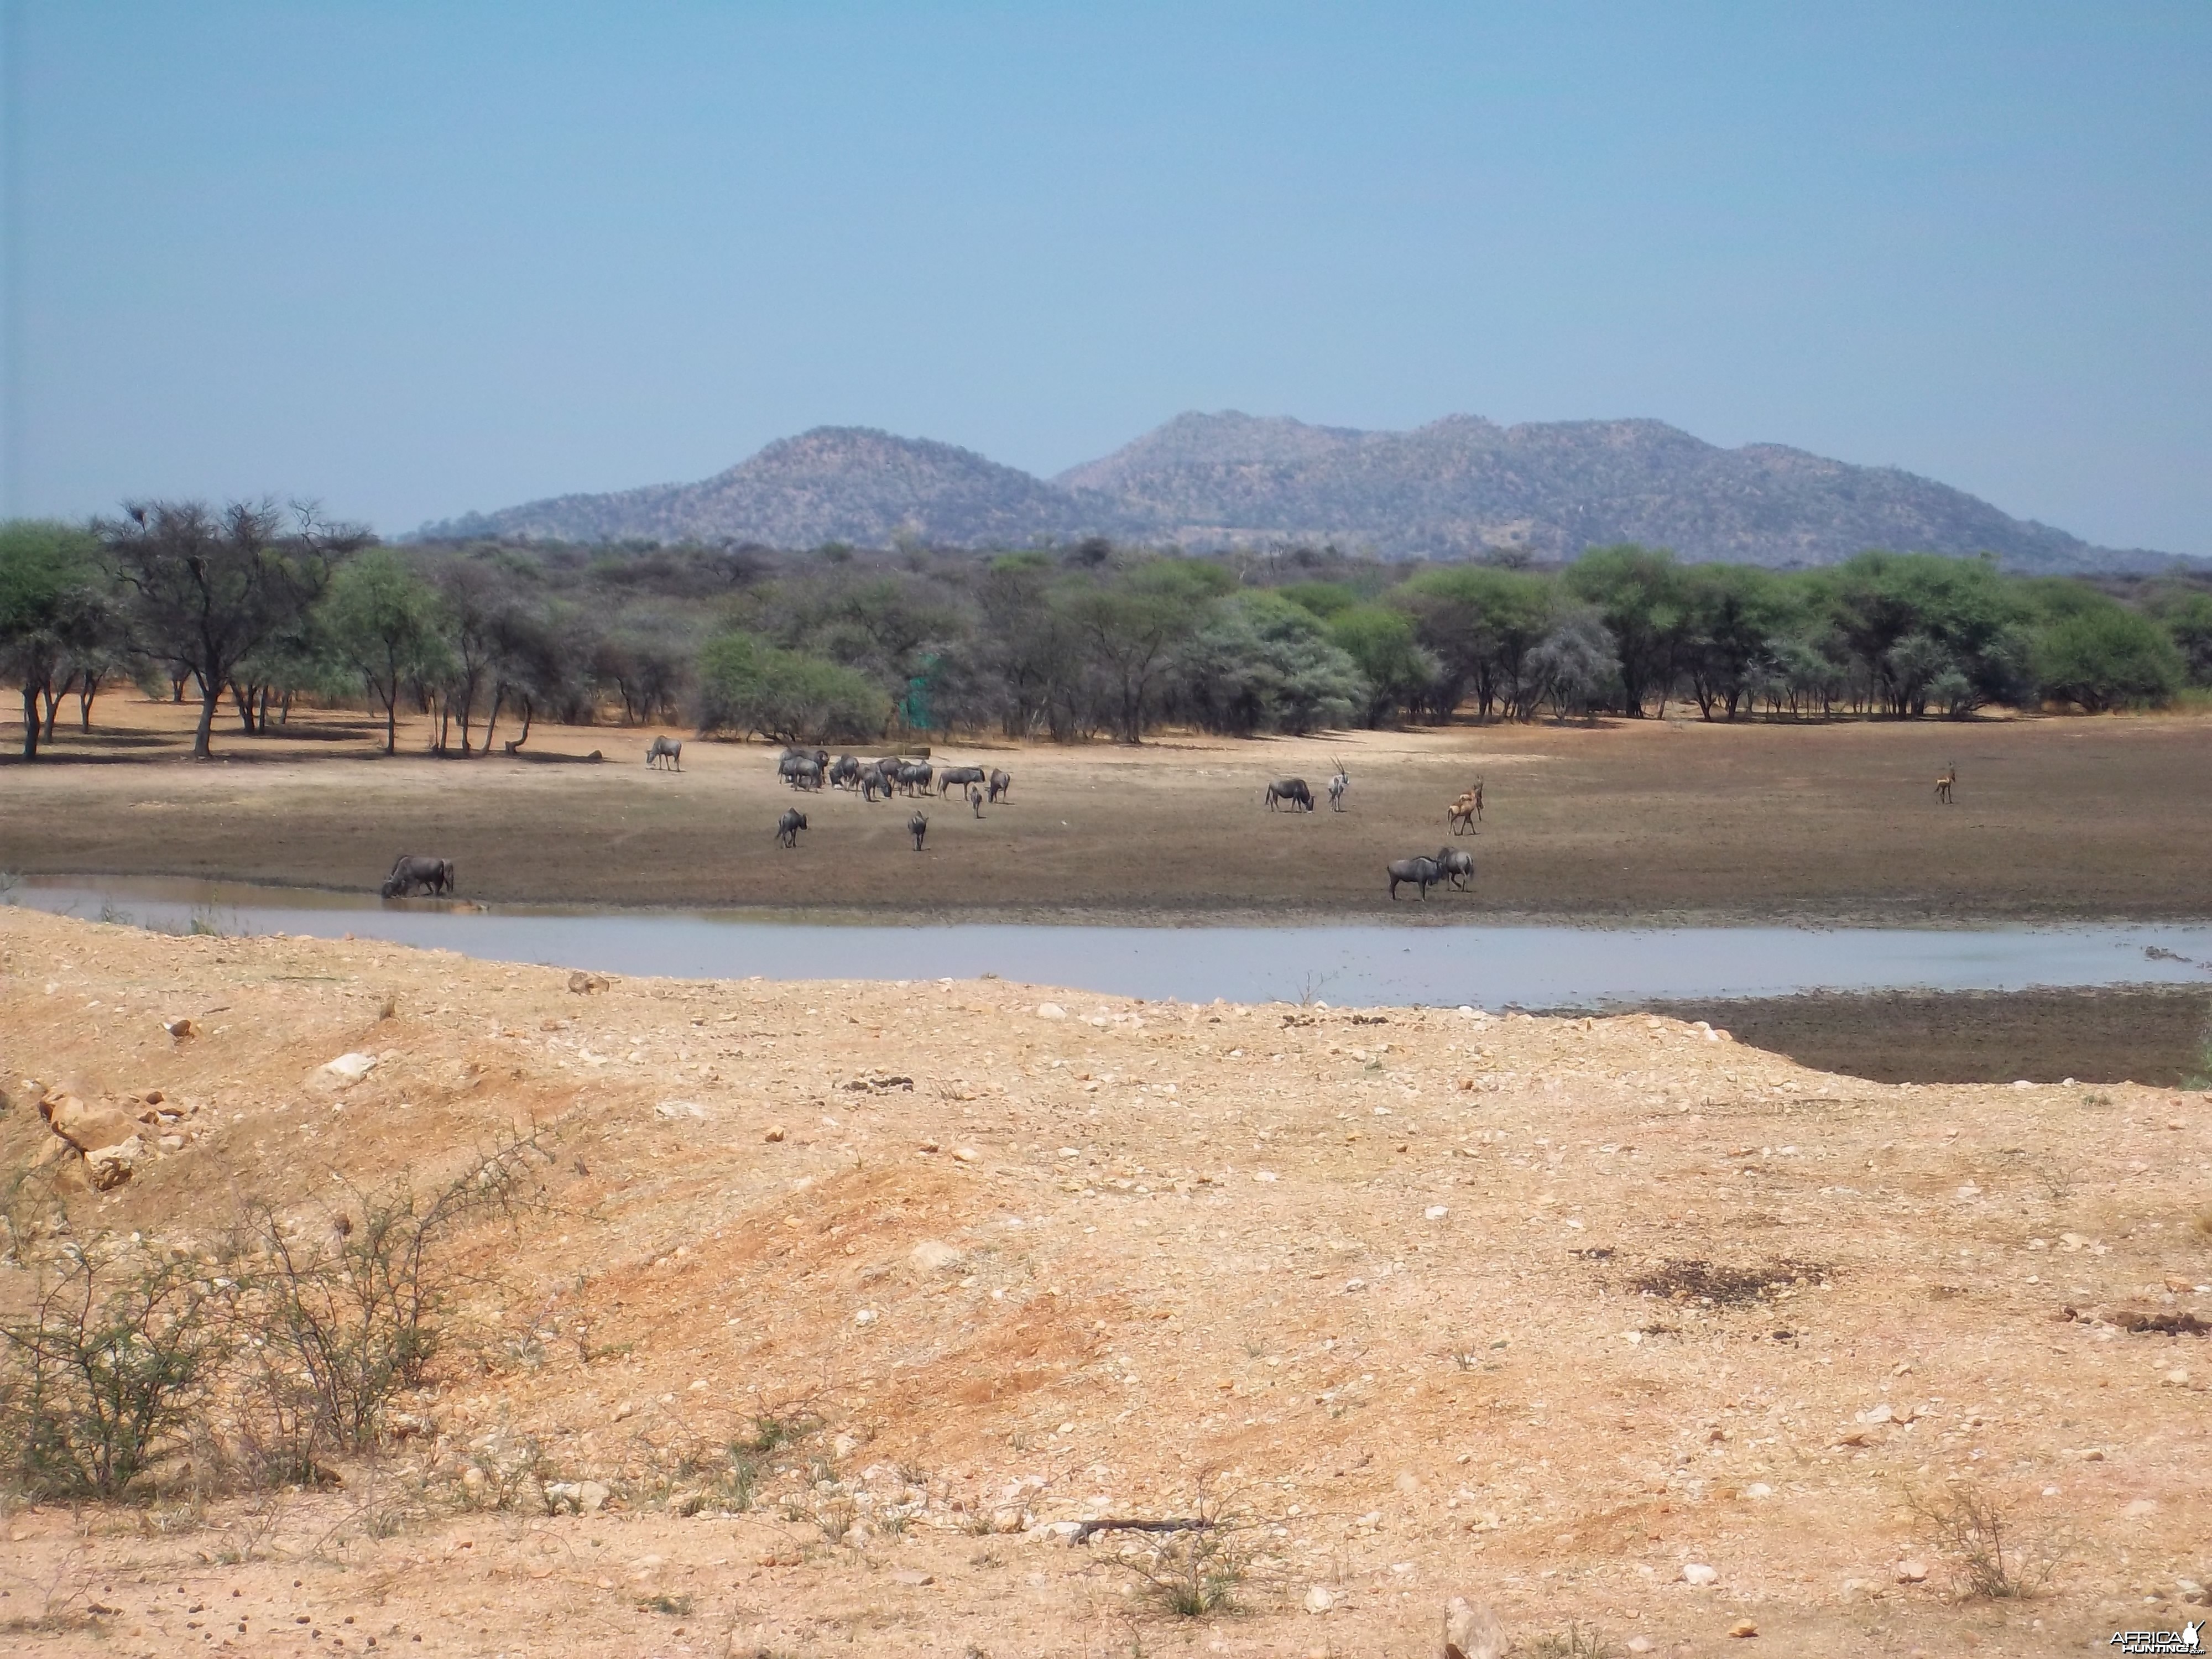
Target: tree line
258, 608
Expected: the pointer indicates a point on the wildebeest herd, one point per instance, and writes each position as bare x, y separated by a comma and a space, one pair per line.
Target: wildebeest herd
811, 770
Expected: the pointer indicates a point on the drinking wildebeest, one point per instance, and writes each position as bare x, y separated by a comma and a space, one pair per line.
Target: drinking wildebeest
1422, 872
917, 826
1002, 784
1338, 783
845, 773
788, 826
1456, 866
914, 775
1292, 790
665, 749
411, 872
959, 776
975, 799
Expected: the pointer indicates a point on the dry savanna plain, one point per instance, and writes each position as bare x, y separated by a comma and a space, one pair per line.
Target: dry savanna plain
823, 1317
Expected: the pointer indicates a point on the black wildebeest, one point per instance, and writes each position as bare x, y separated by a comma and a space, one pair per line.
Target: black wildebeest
799, 771
1002, 785
975, 799
845, 773
1421, 872
665, 749
959, 777
914, 775
917, 826
411, 872
1292, 790
788, 826
1456, 866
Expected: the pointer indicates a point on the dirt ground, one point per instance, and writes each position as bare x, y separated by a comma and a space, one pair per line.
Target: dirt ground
2150, 1034
1554, 1314
2057, 819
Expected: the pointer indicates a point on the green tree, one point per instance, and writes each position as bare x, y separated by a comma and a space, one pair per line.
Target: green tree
1639, 592
1910, 618
386, 623
1400, 676
1732, 616
52, 611
2103, 656
1263, 664
1133, 624
1479, 623
2186, 614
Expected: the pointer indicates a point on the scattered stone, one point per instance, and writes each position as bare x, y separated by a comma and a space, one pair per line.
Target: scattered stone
686, 1502
673, 1109
180, 1028
349, 1068
1472, 1631
866, 1317
584, 984
111, 1166
964, 1154
774, 1133
1911, 1572
1882, 1413
87, 1128
935, 1255
1698, 1573
1639, 1644
1051, 1011
907, 1576
2141, 1509
1320, 1599
1743, 1627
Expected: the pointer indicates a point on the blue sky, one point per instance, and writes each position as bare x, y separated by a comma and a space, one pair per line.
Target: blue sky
415, 259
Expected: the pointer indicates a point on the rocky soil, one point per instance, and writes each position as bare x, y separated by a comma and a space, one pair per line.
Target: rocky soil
846, 1304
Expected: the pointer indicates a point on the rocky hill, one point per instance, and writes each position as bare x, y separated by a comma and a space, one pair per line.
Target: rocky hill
1456, 487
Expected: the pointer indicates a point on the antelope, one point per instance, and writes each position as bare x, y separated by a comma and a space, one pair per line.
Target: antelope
1463, 813
665, 749
1946, 781
1339, 781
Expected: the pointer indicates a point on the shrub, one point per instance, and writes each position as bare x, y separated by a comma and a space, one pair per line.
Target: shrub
1985, 1550
746, 684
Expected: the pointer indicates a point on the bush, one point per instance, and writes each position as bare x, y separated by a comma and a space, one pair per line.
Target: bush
746, 684
2106, 657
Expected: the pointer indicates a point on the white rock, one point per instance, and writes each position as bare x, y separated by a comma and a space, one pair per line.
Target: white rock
590, 1496
2141, 1509
935, 1255
1051, 1011
1435, 1213
1911, 1572
1698, 1573
1320, 1599
1881, 1413
866, 1317
679, 1109
350, 1067
1758, 1489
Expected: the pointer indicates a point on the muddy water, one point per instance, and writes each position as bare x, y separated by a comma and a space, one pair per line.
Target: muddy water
1535, 967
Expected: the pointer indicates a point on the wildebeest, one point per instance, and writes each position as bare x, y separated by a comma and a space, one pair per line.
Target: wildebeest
1456, 866
1421, 872
788, 826
873, 783
975, 799
665, 749
411, 872
917, 826
914, 775
1002, 784
844, 772
1292, 790
799, 771
959, 776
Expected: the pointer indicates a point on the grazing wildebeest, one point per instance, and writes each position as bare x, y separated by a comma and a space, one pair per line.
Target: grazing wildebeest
665, 749
1338, 782
1946, 781
1456, 867
975, 799
914, 775
1421, 872
411, 872
799, 771
844, 772
917, 826
957, 776
788, 826
1002, 784
872, 784
1292, 790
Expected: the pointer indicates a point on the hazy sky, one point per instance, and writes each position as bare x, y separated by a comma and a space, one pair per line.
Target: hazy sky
417, 260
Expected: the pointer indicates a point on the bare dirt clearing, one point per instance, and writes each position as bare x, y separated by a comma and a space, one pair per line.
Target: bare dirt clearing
2056, 819
1545, 1312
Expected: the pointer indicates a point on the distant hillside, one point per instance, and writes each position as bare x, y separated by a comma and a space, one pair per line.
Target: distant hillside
1454, 488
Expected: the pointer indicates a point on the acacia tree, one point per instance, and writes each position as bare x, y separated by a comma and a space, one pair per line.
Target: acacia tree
204, 591
52, 615
384, 620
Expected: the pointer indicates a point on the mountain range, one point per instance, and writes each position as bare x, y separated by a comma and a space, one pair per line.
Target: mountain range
1459, 487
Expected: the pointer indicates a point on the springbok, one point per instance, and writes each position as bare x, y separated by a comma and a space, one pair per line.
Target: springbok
1946, 781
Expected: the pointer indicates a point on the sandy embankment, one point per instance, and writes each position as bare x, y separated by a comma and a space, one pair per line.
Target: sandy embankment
1375, 1276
